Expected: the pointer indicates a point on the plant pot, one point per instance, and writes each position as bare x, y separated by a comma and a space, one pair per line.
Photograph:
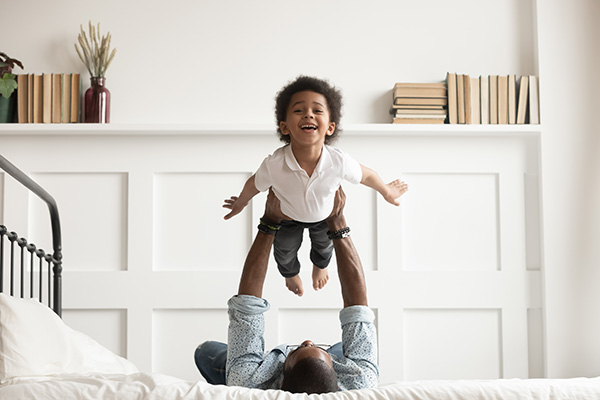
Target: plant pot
8, 108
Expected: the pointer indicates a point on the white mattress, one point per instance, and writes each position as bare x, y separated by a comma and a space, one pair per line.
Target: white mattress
157, 386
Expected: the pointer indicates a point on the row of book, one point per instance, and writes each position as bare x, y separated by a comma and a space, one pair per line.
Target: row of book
48, 98
487, 99
492, 99
419, 103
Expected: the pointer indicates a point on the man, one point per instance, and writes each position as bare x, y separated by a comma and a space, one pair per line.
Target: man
308, 368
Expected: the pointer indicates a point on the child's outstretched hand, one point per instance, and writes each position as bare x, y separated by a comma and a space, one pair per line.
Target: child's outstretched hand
395, 189
235, 205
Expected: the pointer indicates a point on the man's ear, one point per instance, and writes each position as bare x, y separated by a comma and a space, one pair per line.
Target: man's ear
284, 128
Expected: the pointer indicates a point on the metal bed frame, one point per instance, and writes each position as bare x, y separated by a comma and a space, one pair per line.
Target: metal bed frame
29, 252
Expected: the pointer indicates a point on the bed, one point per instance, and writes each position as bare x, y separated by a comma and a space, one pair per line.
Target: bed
43, 358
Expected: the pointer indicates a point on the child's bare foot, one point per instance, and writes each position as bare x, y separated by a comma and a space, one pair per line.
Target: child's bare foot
320, 276
294, 284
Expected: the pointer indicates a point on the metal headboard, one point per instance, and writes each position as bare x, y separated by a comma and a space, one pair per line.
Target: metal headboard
54, 259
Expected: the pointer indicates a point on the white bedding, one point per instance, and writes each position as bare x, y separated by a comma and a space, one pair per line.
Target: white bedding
156, 386
42, 358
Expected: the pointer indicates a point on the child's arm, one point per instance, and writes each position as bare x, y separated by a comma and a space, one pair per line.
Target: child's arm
237, 203
390, 191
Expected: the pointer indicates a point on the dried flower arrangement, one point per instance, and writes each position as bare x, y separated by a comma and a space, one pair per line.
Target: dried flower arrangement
95, 51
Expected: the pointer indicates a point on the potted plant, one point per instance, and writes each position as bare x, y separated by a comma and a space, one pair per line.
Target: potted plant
8, 84
94, 52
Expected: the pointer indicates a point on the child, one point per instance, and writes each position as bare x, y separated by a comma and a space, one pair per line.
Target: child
305, 174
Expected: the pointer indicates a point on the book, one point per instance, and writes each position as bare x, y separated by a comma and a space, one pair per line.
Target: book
65, 99
420, 84
475, 101
502, 99
47, 98
433, 101
468, 100
460, 98
512, 99
416, 106
419, 120
430, 116
420, 90
75, 91
493, 99
452, 98
38, 98
56, 97
534, 111
22, 101
421, 111
522, 102
484, 97
29, 98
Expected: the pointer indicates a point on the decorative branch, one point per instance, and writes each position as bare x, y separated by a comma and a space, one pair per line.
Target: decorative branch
94, 52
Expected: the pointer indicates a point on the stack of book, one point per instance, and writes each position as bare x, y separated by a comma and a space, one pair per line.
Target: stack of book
419, 103
492, 99
48, 98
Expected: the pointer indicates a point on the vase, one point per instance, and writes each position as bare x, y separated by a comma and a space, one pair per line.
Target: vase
7, 108
97, 102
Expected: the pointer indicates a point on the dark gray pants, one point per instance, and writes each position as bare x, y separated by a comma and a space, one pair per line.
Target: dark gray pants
289, 239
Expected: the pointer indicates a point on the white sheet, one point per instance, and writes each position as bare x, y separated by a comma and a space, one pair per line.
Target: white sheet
35, 341
156, 386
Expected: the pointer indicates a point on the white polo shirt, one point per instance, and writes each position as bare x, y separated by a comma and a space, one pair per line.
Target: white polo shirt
304, 198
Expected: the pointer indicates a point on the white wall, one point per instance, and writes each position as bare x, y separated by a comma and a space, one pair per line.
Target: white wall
223, 61
569, 59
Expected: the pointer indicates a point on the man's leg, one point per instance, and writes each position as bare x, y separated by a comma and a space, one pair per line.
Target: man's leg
211, 358
320, 253
285, 249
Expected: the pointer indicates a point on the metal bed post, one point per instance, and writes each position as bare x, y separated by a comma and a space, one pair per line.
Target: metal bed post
56, 258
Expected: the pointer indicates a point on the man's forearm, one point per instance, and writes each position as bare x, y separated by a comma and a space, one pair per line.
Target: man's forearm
255, 267
350, 272
257, 260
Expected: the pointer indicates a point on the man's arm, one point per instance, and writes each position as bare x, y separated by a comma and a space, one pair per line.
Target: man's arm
358, 331
350, 270
257, 260
245, 350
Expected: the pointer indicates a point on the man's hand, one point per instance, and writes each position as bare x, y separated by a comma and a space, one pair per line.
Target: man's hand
273, 212
336, 219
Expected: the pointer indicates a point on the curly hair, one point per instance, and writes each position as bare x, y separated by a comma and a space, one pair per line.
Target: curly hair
310, 375
321, 86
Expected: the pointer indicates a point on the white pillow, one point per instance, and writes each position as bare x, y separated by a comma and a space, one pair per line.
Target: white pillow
34, 341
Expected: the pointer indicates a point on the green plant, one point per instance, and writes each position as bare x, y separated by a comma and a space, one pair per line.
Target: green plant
8, 81
95, 50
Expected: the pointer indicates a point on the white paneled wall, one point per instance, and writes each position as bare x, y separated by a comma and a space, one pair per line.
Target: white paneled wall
453, 274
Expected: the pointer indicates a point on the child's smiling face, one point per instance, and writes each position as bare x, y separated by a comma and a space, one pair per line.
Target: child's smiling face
307, 120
